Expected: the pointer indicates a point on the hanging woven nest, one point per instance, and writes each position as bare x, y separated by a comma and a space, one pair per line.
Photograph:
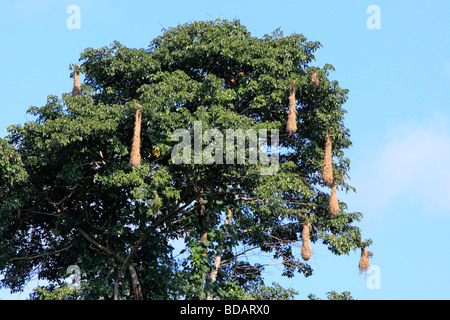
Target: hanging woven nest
291, 126
334, 203
135, 155
306, 246
76, 91
327, 169
315, 78
364, 261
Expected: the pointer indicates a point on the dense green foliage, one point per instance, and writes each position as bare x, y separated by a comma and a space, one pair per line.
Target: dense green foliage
333, 295
68, 195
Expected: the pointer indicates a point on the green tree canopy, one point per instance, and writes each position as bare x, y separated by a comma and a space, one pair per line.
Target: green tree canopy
68, 195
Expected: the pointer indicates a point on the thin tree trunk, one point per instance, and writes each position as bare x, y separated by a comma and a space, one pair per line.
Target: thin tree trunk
218, 258
124, 261
136, 285
117, 285
203, 220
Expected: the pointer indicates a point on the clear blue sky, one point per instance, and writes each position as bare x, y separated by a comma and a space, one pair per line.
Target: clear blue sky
398, 112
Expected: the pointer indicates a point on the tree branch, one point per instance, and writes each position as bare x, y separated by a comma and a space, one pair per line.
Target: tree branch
173, 213
99, 246
40, 255
133, 251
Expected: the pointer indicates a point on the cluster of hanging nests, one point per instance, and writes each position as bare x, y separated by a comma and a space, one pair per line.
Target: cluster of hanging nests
327, 169
327, 175
291, 127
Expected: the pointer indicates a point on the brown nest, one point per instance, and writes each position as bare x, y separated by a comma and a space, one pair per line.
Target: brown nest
306, 246
327, 170
364, 261
291, 126
76, 91
334, 204
135, 155
315, 78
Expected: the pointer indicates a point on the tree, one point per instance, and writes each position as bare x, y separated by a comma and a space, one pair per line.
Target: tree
55, 293
333, 295
69, 195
